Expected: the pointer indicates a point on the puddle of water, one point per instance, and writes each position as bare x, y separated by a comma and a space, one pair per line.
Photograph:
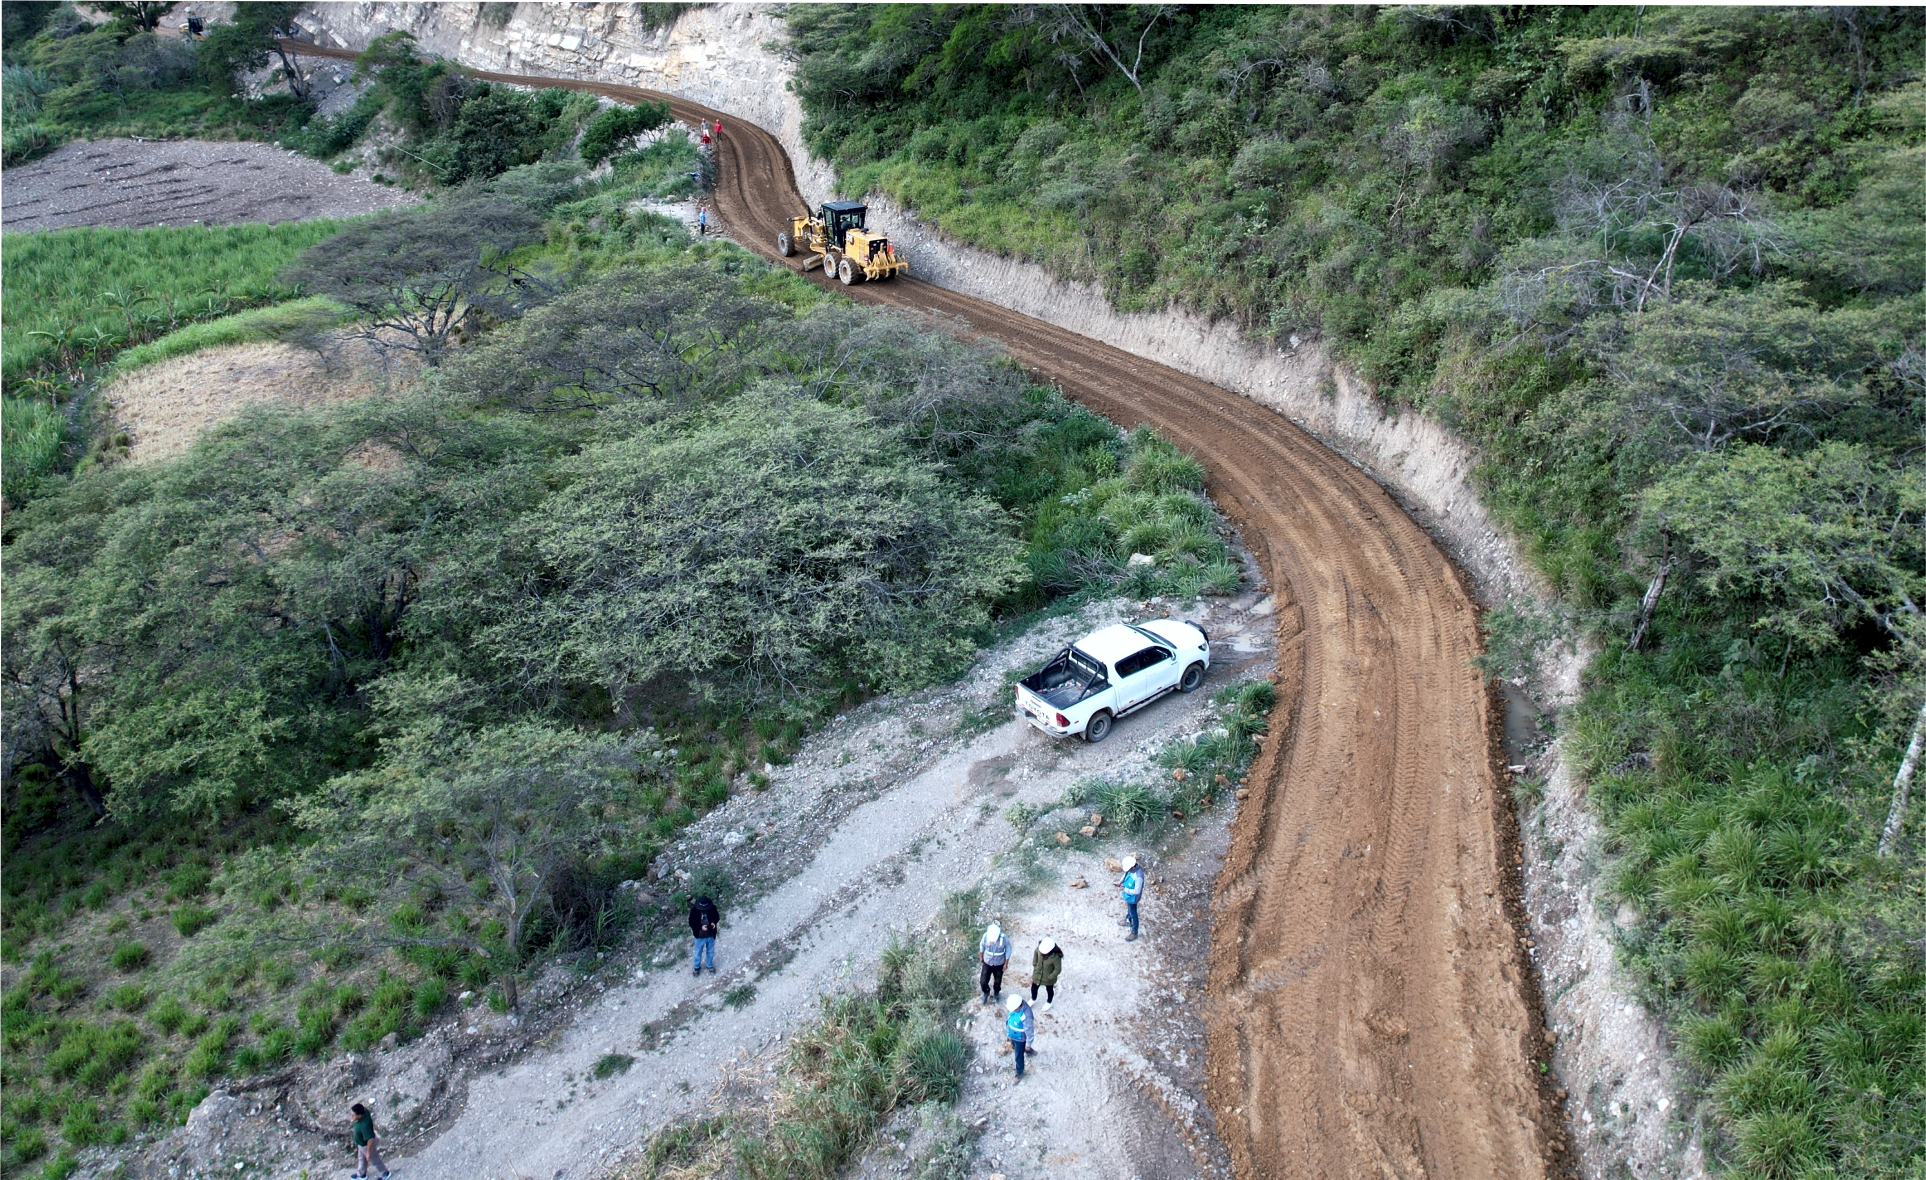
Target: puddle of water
1522, 735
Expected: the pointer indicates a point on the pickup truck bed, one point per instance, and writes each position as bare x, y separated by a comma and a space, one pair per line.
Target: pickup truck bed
1066, 679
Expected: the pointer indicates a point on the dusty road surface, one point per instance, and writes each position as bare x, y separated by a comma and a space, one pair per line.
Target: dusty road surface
1371, 1009
181, 182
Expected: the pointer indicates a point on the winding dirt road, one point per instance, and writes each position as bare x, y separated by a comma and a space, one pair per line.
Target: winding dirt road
1371, 1011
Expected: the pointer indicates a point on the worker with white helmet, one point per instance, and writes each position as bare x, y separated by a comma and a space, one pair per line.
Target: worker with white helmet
1132, 889
993, 953
1046, 967
1021, 1027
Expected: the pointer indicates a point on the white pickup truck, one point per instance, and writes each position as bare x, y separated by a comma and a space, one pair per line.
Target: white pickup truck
1108, 673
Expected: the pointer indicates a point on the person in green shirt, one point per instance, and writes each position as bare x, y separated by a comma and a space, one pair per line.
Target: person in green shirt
366, 1149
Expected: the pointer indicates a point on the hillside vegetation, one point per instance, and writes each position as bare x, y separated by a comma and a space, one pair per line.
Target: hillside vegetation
347, 711
1664, 268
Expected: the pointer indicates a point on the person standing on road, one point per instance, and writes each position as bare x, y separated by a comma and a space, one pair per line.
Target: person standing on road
702, 220
1021, 1028
704, 917
1046, 967
993, 952
1132, 889
367, 1150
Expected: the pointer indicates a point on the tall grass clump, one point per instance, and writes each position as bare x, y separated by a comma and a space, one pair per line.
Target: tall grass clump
1773, 939
74, 297
870, 1053
1199, 768
31, 432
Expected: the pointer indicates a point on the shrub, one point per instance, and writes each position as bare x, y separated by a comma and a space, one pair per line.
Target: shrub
132, 956
191, 919
612, 128
610, 1064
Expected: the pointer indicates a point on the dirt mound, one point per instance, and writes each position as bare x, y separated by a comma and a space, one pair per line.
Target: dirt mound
165, 406
134, 183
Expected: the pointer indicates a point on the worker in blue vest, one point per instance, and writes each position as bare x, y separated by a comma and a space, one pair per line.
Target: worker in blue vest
1132, 889
1021, 1028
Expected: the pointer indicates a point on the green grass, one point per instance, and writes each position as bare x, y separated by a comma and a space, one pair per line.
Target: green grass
278, 322
870, 1053
1197, 770
610, 1064
661, 170
77, 296
1770, 940
31, 434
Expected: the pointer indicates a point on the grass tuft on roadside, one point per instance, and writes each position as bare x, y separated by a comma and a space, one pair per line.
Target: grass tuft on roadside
869, 1053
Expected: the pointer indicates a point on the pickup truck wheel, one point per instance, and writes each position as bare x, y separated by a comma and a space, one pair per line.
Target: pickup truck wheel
1193, 679
1098, 728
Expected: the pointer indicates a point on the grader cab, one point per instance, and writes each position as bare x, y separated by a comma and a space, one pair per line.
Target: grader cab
837, 240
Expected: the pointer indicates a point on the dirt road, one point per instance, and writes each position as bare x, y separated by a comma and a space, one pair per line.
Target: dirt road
1371, 1011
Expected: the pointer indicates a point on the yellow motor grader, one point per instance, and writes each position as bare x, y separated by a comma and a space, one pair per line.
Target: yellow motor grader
836, 240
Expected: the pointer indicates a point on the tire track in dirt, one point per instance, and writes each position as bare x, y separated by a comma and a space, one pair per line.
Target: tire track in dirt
1371, 1010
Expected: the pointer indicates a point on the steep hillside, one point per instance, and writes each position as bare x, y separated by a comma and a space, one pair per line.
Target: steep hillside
1661, 267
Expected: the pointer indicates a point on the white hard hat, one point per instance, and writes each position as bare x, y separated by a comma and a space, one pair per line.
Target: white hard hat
993, 933
1130, 862
1015, 1003
1047, 945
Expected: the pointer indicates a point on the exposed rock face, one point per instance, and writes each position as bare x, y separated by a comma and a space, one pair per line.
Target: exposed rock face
719, 55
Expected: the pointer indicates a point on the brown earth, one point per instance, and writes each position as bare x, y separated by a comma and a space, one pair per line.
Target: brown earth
131, 182
1371, 1008
165, 406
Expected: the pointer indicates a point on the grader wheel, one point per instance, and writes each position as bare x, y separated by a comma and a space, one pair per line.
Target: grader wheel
784, 246
847, 272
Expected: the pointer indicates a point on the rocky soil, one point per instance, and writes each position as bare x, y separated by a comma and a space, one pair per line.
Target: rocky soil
129, 182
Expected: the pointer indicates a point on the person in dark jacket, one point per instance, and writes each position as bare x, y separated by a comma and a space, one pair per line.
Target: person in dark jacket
704, 917
1046, 967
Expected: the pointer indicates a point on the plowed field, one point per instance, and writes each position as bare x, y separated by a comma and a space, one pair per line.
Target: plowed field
1371, 1009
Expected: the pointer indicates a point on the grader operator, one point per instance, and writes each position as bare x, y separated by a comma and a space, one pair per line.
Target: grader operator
836, 240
